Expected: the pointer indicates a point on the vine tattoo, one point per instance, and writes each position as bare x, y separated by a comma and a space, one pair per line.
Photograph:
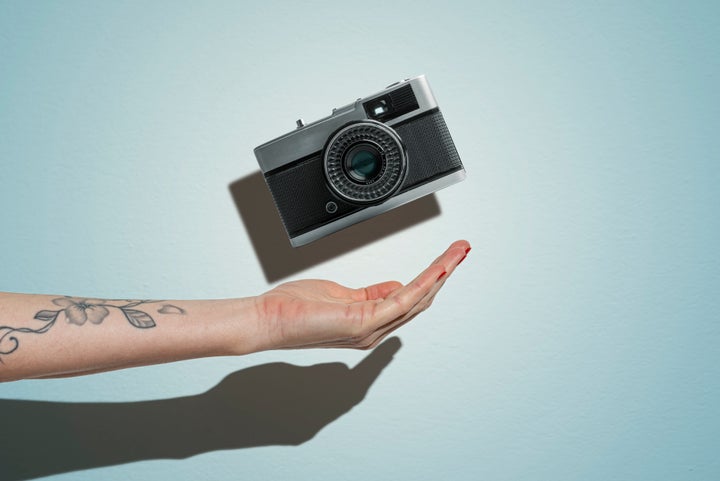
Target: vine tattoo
79, 311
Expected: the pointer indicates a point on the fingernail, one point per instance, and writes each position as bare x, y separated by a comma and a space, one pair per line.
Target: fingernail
466, 253
444, 273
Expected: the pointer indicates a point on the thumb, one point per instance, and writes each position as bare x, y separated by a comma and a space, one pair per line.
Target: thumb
381, 290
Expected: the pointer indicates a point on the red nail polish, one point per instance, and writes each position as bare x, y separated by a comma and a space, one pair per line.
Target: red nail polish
466, 253
444, 273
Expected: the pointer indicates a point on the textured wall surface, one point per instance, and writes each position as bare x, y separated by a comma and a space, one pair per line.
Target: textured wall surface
578, 341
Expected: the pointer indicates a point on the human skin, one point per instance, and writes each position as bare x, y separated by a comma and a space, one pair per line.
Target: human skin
44, 336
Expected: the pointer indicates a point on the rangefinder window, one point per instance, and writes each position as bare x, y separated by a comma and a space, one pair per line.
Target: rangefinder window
392, 104
379, 108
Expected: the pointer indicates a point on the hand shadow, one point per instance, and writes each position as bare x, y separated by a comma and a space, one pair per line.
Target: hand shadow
271, 404
279, 259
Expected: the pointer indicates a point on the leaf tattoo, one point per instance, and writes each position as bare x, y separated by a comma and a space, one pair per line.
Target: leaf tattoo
46, 316
170, 309
139, 318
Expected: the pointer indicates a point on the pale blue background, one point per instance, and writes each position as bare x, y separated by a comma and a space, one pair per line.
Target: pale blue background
578, 341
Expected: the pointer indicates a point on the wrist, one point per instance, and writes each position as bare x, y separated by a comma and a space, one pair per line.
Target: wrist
243, 331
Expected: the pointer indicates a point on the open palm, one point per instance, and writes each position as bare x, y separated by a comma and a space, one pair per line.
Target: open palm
320, 313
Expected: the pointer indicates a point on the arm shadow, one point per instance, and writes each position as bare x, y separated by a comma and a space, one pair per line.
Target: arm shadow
279, 259
270, 404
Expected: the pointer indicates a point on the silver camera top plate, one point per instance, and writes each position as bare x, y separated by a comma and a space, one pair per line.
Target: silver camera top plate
311, 138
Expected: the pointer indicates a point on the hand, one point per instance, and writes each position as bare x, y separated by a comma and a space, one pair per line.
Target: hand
318, 313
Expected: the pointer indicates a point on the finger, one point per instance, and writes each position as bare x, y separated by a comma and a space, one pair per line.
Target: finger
377, 337
372, 339
459, 244
402, 300
452, 255
376, 291
458, 256
384, 289
447, 261
452, 258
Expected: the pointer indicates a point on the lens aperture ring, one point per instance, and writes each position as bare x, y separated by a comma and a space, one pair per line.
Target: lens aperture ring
391, 173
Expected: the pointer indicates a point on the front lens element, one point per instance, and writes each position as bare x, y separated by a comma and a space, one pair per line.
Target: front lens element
363, 163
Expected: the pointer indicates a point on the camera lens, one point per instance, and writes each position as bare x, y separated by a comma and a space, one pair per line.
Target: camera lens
365, 162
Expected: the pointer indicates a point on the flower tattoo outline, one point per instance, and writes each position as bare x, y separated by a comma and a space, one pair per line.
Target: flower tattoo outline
77, 312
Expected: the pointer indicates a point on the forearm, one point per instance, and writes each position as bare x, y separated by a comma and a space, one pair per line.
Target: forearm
49, 336
52, 336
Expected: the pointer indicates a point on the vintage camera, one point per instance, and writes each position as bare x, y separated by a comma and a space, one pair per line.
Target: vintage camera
366, 158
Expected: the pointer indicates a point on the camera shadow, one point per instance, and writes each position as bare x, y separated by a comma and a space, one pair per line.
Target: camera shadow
279, 259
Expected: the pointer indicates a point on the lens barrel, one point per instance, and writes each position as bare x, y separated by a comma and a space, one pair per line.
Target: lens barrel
365, 162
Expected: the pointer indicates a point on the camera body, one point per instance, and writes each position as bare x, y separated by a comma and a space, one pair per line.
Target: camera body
366, 158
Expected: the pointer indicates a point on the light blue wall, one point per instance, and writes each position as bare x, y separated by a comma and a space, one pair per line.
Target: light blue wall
578, 341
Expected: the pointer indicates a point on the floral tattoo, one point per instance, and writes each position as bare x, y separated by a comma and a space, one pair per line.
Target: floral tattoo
79, 311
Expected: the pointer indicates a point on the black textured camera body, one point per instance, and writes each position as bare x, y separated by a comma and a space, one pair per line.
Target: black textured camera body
376, 154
